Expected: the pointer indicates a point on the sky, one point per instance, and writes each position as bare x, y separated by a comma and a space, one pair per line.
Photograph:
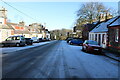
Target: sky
54, 15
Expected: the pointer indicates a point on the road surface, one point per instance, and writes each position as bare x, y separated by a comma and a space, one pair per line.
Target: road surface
57, 60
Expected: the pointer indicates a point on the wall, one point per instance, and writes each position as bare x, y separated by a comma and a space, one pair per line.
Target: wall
4, 34
114, 45
2, 21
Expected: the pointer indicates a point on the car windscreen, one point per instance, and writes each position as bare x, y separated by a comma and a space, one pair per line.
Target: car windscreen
9, 38
92, 42
27, 38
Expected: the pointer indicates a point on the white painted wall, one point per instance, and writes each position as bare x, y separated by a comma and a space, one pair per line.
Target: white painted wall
48, 35
4, 33
2, 21
40, 35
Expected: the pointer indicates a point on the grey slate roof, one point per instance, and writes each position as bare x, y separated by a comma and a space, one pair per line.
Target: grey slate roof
116, 23
102, 27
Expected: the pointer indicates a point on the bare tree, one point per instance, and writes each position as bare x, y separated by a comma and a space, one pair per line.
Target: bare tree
90, 12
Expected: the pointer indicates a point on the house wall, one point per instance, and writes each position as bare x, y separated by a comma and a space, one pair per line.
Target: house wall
4, 33
113, 44
25, 35
40, 35
34, 35
48, 35
101, 38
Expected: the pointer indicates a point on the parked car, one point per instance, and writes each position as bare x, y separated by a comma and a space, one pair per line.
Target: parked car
35, 39
29, 41
76, 41
68, 39
40, 39
14, 41
90, 46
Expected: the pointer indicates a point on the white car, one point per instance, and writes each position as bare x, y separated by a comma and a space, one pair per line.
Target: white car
35, 39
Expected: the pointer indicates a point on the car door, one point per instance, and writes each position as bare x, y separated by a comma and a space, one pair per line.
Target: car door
75, 41
22, 40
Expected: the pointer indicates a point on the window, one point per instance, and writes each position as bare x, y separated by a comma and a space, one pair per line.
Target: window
92, 37
103, 38
22, 38
17, 38
8, 39
116, 35
95, 37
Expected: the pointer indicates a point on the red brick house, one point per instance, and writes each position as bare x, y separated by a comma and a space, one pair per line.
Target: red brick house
114, 35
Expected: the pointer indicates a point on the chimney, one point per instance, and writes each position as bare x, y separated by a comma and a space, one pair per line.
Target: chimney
3, 16
22, 23
106, 16
99, 17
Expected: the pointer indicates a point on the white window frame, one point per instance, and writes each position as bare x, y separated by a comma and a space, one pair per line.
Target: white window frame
116, 35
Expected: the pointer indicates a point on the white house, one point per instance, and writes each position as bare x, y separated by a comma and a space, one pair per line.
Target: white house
99, 33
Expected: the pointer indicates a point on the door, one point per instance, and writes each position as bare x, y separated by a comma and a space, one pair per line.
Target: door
99, 39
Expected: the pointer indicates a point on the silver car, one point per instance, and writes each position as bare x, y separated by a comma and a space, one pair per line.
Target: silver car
14, 41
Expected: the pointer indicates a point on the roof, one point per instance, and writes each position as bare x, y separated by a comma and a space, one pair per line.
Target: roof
18, 31
87, 27
4, 26
17, 36
102, 27
12, 23
21, 32
116, 22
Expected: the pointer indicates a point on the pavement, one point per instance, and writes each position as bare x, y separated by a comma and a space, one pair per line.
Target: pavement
112, 55
5, 50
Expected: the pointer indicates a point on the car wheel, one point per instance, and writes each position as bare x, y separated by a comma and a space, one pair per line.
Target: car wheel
83, 48
80, 44
86, 50
17, 44
31, 43
100, 52
3, 45
71, 43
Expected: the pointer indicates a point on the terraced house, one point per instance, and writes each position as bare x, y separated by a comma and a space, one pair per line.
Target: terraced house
5, 29
10, 28
99, 33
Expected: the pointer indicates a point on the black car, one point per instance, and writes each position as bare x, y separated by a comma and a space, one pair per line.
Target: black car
28, 41
40, 39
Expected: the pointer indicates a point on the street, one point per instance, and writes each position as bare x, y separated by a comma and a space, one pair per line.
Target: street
57, 60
